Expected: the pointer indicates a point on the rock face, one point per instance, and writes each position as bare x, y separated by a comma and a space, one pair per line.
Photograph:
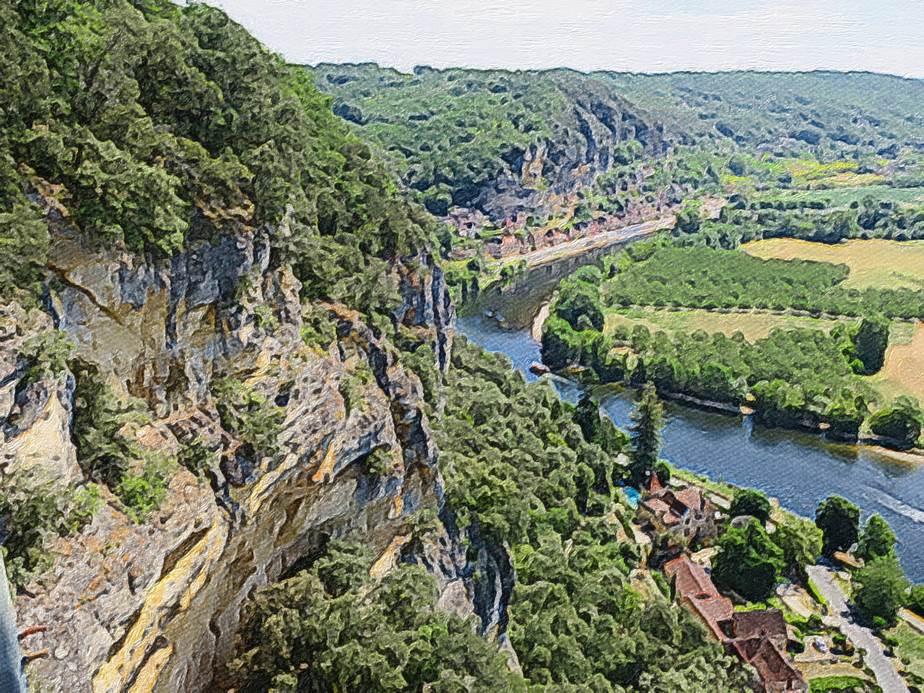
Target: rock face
543, 178
155, 606
565, 130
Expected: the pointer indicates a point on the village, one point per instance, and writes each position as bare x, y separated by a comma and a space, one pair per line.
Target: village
794, 637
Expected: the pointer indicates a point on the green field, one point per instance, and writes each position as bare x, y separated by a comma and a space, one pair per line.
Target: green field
874, 263
842, 197
910, 648
753, 325
903, 372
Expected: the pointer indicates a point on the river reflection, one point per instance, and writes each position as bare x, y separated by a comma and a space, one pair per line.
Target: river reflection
798, 468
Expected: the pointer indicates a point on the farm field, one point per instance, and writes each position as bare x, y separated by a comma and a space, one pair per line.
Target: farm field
874, 263
842, 197
753, 325
903, 372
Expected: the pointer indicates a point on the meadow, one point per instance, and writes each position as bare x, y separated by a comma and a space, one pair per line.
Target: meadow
753, 325
874, 263
844, 196
903, 372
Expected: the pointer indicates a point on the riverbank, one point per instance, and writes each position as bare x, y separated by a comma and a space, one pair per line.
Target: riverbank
798, 468
579, 246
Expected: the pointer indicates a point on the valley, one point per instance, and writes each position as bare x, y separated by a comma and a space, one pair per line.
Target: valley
337, 377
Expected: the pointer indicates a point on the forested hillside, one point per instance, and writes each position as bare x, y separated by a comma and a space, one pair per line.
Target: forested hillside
830, 112
497, 141
236, 451
153, 126
669, 134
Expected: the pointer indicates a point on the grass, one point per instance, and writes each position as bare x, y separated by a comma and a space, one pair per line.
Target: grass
842, 197
909, 647
903, 372
753, 325
837, 683
874, 263
816, 593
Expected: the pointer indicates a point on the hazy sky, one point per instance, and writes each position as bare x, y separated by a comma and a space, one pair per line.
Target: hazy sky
635, 35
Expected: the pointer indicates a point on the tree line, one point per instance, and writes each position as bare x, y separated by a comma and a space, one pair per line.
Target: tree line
793, 377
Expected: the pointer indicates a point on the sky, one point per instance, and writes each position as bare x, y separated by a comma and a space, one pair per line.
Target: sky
624, 35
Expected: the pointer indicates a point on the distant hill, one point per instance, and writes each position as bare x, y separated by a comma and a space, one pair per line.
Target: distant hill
506, 142
833, 111
494, 140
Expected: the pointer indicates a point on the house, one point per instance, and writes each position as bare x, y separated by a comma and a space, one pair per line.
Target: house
765, 623
694, 589
776, 672
756, 637
504, 245
685, 513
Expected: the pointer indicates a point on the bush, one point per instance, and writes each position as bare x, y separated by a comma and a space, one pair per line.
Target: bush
747, 562
103, 450
901, 422
196, 456
46, 355
142, 493
839, 520
876, 539
34, 507
916, 600
249, 415
750, 502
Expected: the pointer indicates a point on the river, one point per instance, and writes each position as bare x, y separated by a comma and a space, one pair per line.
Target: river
800, 469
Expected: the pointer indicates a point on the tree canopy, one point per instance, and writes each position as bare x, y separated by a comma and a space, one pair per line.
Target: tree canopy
839, 521
748, 562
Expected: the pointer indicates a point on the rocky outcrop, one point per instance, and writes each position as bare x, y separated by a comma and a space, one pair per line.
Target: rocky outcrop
155, 606
587, 141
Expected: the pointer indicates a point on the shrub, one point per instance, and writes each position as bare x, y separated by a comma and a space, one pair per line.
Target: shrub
748, 562
196, 456
901, 422
249, 415
103, 450
142, 493
839, 520
751, 502
46, 355
34, 507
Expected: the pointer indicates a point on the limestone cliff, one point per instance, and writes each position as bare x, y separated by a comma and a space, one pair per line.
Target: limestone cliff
155, 606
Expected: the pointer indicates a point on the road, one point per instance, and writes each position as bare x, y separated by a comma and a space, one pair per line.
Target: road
842, 619
600, 240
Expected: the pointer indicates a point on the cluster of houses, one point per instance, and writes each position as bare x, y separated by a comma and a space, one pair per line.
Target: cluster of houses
686, 516
516, 238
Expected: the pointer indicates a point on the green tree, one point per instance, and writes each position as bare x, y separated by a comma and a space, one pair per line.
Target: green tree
33, 508
598, 428
580, 300
881, 590
876, 539
916, 600
870, 343
800, 541
747, 562
901, 422
332, 627
645, 434
750, 502
839, 521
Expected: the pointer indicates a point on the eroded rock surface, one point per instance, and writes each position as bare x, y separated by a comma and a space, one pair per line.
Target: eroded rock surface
155, 606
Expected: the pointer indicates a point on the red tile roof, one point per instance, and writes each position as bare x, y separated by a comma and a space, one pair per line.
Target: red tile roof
694, 587
755, 636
